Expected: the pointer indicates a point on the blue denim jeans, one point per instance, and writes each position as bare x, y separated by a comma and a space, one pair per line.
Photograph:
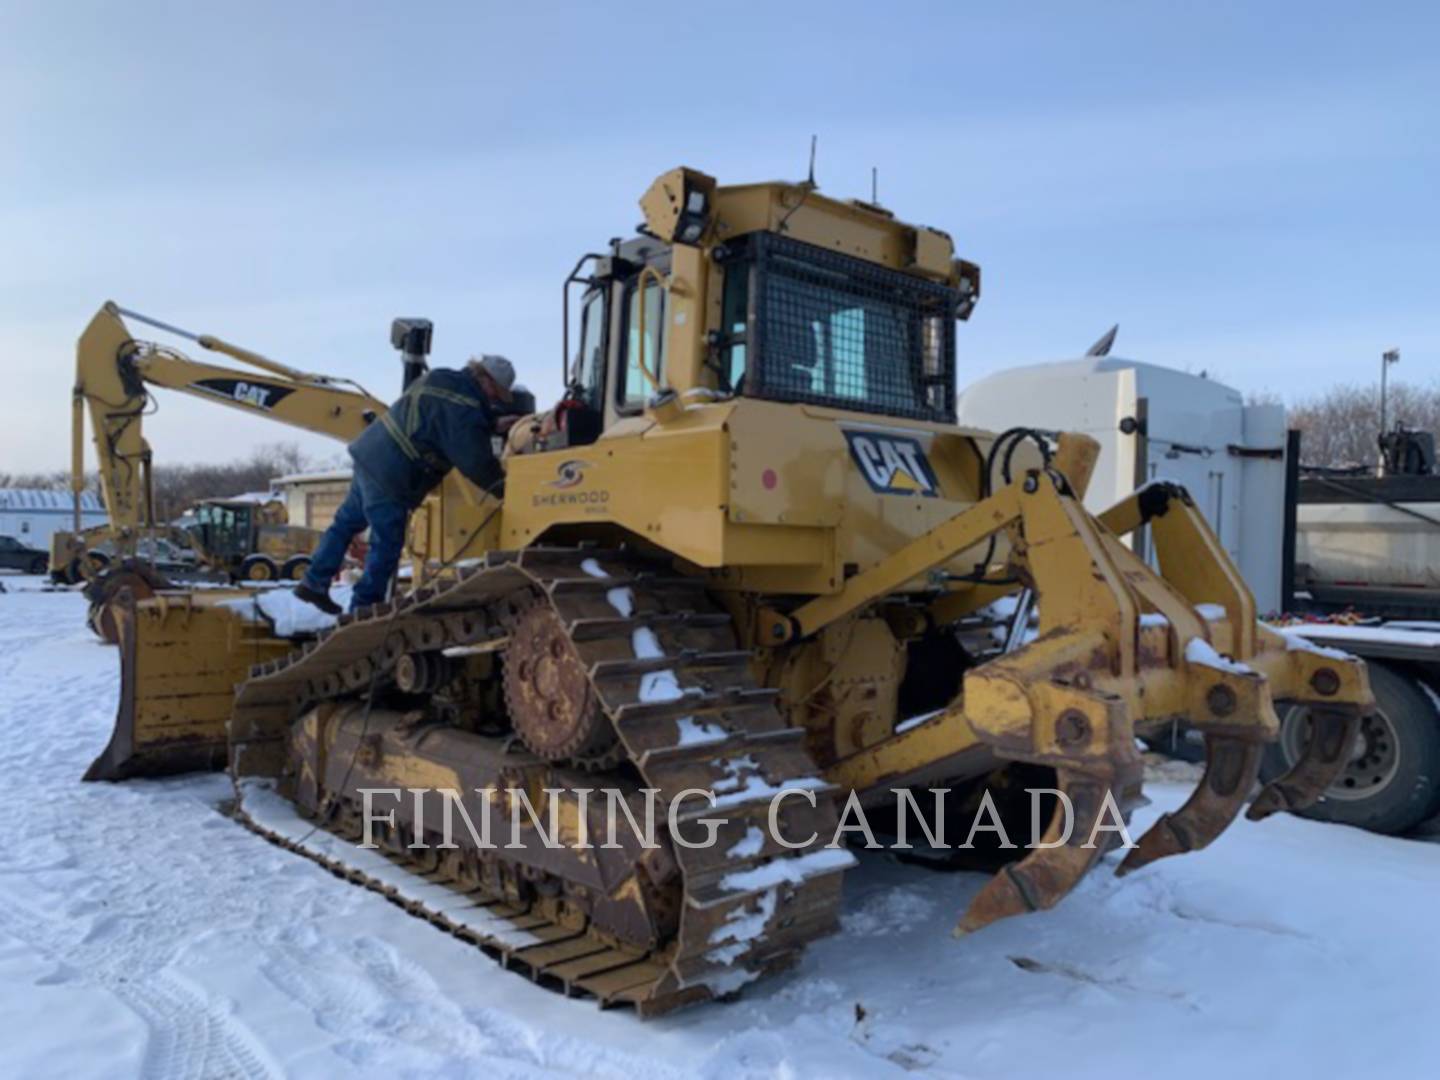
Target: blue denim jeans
365, 505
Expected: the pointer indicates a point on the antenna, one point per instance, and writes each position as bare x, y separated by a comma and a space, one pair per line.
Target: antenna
874, 185
811, 179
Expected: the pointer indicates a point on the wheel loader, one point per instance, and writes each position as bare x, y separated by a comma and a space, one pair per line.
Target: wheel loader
749, 562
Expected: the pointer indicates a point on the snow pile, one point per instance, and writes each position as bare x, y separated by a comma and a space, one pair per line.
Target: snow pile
741, 927
1300, 643
646, 644
658, 687
748, 846
1386, 634
287, 615
622, 599
790, 871
693, 732
1199, 651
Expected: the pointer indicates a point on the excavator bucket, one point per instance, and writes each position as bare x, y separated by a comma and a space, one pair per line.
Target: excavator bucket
181, 657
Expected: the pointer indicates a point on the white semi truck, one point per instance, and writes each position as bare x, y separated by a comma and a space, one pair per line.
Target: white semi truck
1363, 545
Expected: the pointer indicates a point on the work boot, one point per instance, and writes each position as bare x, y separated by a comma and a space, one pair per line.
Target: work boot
316, 598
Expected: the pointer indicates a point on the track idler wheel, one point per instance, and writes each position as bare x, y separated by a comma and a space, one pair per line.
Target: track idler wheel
423, 672
553, 706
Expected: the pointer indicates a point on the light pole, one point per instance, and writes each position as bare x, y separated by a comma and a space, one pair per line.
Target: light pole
1388, 357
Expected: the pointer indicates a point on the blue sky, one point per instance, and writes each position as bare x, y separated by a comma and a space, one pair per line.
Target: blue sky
1249, 189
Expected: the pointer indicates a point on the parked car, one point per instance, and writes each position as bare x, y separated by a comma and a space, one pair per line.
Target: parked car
17, 556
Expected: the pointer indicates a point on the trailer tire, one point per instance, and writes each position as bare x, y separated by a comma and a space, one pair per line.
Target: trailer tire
1392, 783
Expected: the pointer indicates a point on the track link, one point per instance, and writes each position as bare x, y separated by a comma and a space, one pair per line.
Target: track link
663, 661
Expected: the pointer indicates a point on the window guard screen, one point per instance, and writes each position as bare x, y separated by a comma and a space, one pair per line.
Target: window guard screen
830, 329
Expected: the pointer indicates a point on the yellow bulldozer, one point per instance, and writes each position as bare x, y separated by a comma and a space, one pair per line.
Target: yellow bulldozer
749, 564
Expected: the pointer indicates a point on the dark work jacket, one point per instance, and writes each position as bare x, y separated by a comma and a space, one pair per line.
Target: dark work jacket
443, 421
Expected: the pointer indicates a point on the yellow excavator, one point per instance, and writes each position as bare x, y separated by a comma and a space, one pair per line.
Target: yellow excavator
749, 561
114, 375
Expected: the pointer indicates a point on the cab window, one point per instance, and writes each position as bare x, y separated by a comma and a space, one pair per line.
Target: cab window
590, 362
636, 388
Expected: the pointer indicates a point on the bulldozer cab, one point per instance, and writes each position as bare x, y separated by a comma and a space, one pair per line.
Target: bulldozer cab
797, 323
620, 359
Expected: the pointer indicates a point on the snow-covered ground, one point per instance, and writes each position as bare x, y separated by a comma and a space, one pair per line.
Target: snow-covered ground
142, 934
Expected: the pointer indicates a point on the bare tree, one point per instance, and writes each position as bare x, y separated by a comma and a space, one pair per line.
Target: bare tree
179, 487
59, 480
1341, 426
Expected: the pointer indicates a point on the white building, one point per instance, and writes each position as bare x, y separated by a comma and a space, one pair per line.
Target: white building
32, 516
311, 499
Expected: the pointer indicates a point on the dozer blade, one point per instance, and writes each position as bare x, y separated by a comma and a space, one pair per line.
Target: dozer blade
1332, 733
103, 591
181, 657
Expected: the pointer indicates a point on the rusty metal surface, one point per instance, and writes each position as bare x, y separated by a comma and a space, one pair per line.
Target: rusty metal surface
747, 752
103, 592
1332, 733
1231, 768
1047, 874
552, 703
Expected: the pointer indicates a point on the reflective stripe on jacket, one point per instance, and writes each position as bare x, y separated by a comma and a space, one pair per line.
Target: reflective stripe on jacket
443, 421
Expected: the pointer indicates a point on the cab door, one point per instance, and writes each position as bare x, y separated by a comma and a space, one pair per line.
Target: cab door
638, 308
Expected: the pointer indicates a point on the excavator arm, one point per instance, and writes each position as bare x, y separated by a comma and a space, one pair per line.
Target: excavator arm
114, 374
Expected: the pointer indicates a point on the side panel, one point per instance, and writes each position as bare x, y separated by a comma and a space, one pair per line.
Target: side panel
796, 494
666, 484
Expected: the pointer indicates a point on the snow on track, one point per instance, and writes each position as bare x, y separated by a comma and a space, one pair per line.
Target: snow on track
142, 933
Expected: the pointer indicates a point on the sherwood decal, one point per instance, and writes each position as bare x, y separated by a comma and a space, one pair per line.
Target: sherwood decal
569, 473
571, 498
257, 395
893, 464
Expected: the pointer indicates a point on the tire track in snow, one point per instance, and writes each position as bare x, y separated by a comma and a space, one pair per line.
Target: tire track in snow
62, 891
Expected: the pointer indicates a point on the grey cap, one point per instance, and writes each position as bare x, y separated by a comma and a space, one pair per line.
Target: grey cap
498, 368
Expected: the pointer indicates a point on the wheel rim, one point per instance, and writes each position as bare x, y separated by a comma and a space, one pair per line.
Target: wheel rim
259, 572
1374, 759
297, 570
